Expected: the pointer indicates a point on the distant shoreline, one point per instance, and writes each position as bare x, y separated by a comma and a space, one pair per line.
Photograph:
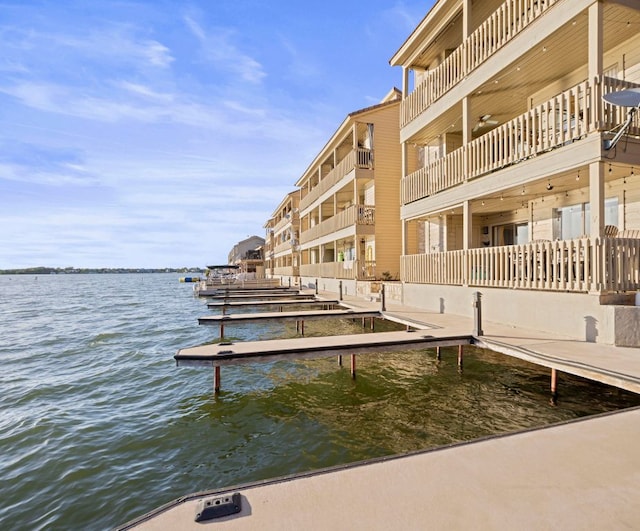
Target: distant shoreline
73, 270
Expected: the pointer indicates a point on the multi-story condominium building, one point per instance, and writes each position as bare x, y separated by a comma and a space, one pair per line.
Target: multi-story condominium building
248, 255
519, 193
349, 203
282, 241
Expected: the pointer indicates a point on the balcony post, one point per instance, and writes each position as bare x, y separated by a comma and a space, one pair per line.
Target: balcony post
596, 197
467, 222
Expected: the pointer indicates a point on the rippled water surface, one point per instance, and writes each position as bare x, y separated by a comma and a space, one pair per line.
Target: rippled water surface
98, 426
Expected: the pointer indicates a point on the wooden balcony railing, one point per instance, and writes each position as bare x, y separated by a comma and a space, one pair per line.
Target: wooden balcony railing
290, 218
349, 269
358, 158
506, 22
284, 246
350, 217
565, 118
581, 265
291, 271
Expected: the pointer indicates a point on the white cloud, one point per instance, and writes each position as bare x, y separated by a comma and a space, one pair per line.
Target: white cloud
217, 47
143, 90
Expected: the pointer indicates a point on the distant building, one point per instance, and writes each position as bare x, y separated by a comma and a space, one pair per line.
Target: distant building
282, 247
248, 255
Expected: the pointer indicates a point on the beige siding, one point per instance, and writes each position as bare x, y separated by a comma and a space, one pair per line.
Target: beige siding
388, 232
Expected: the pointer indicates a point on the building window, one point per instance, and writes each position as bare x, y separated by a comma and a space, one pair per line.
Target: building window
511, 234
573, 221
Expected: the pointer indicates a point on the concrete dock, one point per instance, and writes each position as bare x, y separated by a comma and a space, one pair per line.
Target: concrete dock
299, 315
235, 353
583, 474
579, 475
329, 303
260, 296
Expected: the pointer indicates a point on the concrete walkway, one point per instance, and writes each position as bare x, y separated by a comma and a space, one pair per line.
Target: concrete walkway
618, 366
578, 475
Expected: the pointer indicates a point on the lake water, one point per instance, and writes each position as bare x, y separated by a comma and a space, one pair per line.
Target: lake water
98, 425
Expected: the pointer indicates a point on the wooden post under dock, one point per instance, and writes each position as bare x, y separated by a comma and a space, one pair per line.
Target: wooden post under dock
216, 379
353, 366
460, 356
554, 386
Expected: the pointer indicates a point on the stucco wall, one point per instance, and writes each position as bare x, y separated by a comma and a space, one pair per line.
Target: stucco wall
578, 316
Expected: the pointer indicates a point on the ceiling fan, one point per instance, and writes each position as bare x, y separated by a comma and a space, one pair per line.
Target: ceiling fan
485, 121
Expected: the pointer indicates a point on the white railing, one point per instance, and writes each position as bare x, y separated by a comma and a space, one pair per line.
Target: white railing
286, 271
349, 217
580, 265
357, 158
506, 22
348, 269
565, 118
284, 246
290, 218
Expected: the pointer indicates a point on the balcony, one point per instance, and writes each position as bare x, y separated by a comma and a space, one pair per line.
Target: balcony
291, 217
359, 158
349, 269
355, 215
580, 265
564, 119
285, 246
511, 18
286, 271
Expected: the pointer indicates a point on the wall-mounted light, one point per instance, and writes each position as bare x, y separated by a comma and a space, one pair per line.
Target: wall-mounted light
549, 186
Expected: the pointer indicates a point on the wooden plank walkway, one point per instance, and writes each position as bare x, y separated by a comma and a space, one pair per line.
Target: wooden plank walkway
261, 296
235, 353
306, 315
220, 290
278, 302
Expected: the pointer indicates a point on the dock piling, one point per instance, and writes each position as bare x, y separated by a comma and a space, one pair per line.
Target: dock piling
353, 366
382, 299
340, 290
340, 360
438, 354
316, 286
216, 379
460, 357
554, 386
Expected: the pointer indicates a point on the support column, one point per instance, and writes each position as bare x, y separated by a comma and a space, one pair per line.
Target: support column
460, 356
466, 19
554, 386
467, 125
353, 366
438, 354
596, 38
596, 198
216, 379
467, 234
405, 82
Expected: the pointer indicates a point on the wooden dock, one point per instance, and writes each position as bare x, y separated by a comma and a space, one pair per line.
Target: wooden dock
242, 289
298, 316
235, 353
278, 302
261, 296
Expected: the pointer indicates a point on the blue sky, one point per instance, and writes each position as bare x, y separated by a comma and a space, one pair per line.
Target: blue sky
159, 133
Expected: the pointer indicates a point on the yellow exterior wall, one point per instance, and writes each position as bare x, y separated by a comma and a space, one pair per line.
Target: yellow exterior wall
387, 164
